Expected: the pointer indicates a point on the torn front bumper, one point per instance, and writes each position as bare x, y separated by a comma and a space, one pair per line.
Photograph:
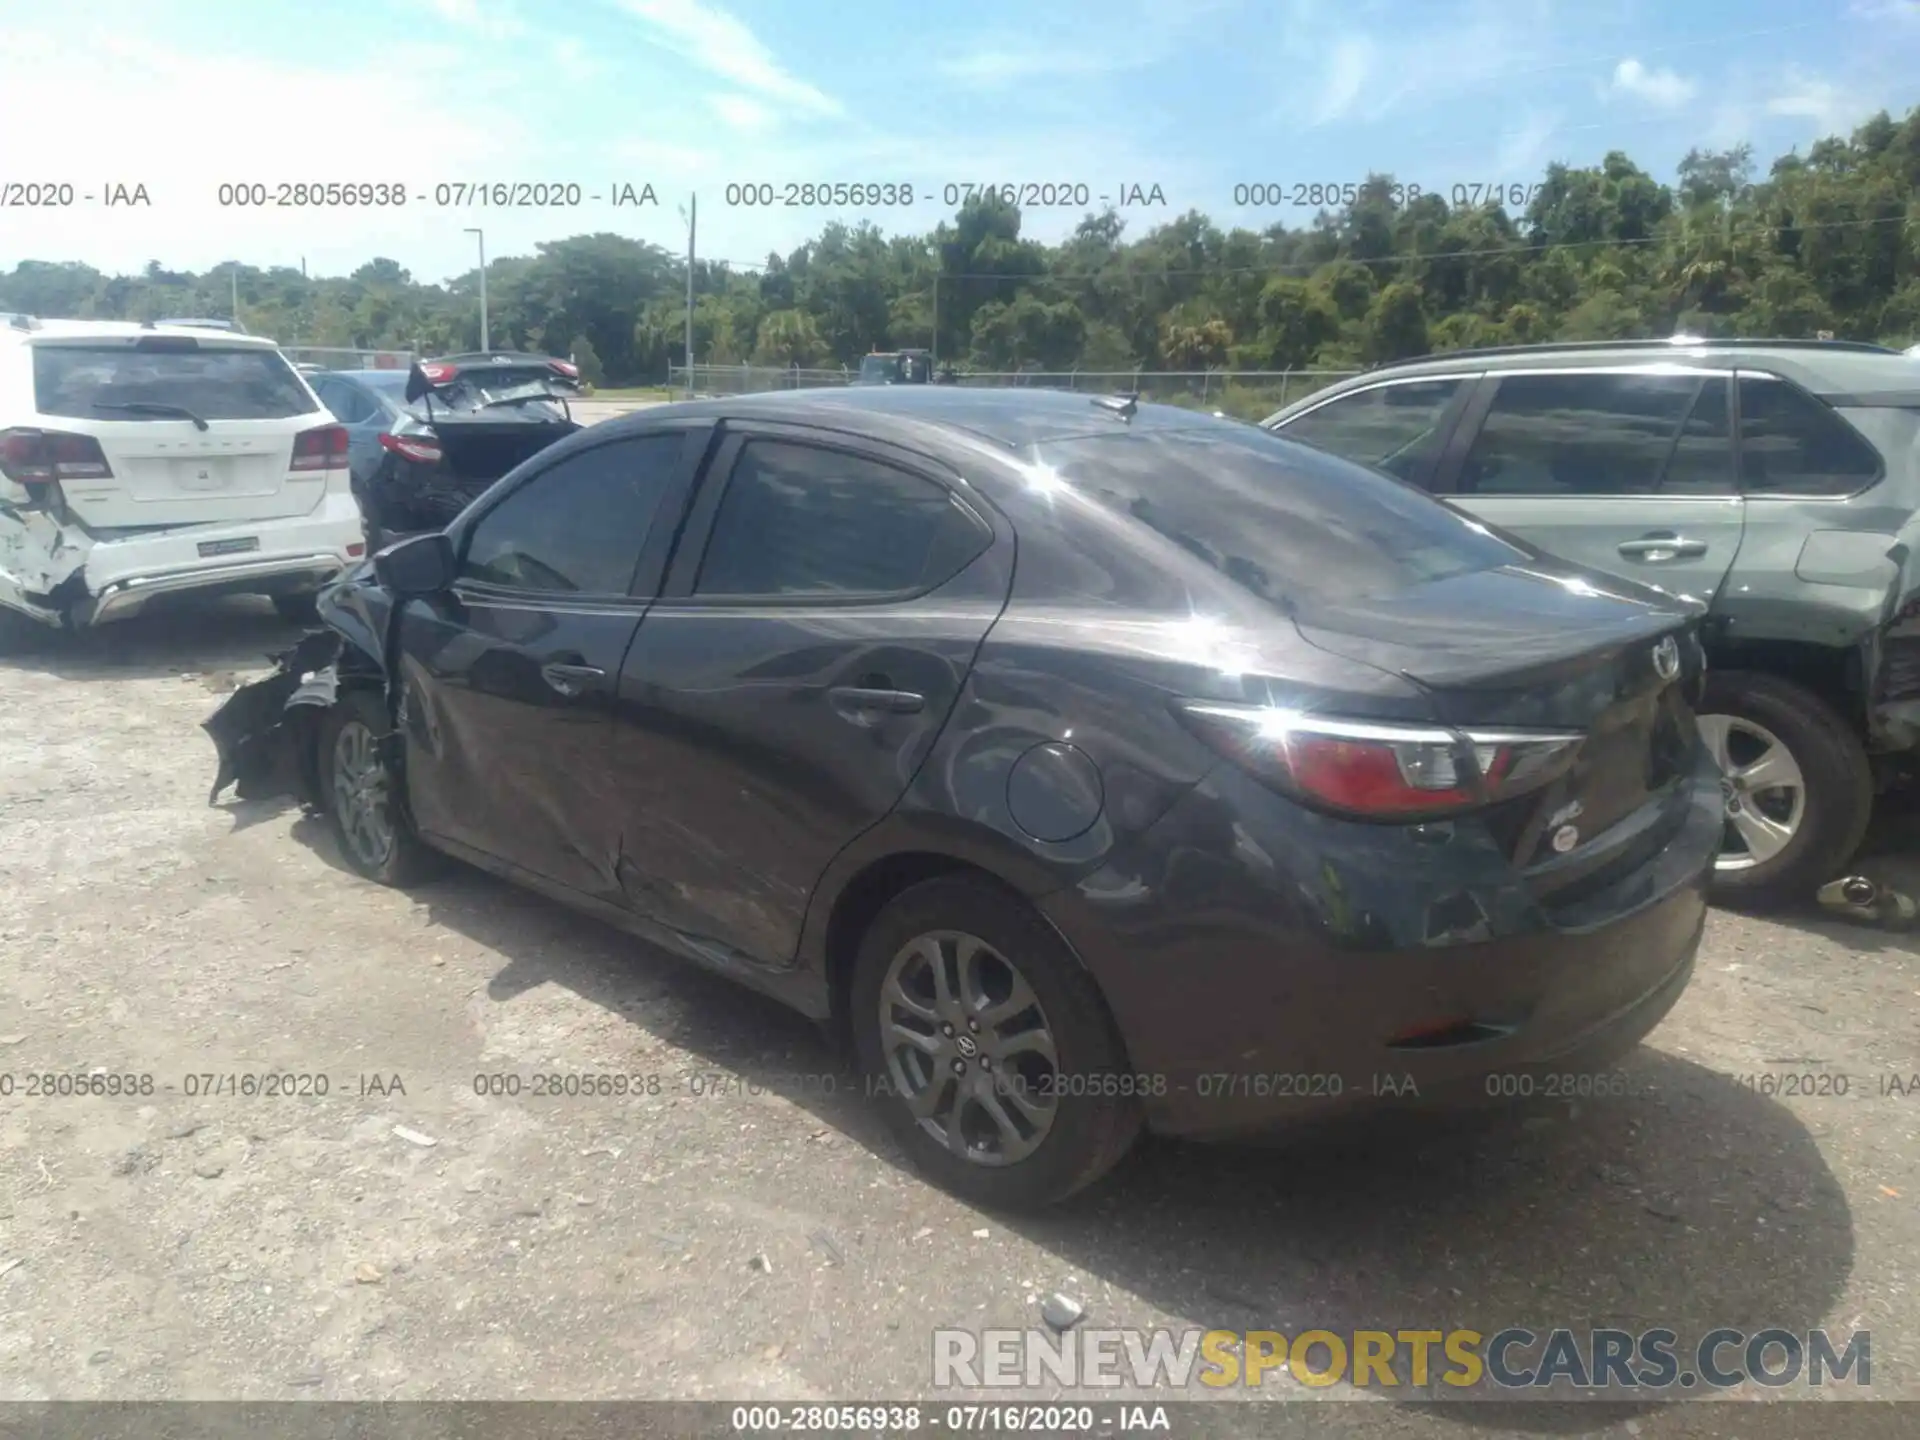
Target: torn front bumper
262, 733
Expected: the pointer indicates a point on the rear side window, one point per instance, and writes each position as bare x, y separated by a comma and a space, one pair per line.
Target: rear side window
350, 404
1597, 434
98, 382
578, 528
1390, 427
806, 520
1793, 444
1283, 520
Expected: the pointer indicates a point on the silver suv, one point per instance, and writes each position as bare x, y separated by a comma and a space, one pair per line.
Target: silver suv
1774, 482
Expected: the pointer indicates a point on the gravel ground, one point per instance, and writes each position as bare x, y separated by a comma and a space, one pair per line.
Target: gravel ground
738, 1243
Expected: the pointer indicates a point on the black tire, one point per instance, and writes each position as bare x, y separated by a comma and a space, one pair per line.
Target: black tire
303, 609
407, 860
1089, 1133
1838, 783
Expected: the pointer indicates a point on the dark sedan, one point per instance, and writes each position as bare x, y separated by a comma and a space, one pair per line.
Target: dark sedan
1094, 764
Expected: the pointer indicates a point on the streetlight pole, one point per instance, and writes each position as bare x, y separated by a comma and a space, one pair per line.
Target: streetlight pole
692, 214
481, 236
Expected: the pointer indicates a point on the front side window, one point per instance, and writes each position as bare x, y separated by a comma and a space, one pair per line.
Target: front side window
1592, 434
805, 520
578, 528
1389, 427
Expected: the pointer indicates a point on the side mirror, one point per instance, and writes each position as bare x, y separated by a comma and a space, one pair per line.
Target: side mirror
419, 565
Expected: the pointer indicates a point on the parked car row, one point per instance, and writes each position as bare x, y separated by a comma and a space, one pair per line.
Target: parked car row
186, 455
144, 459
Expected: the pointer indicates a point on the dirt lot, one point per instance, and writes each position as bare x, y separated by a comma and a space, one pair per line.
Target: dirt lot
713, 1241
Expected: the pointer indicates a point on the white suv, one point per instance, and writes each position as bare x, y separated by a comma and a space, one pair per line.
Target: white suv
139, 459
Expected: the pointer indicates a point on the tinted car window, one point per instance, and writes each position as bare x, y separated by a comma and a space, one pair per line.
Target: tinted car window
350, 403
1578, 434
1792, 443
213, 381
1390, 427
1284, 520
806, 520
579, 527
1702, 459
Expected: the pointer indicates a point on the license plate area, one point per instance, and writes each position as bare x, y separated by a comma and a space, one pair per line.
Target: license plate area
201, 476
242, 546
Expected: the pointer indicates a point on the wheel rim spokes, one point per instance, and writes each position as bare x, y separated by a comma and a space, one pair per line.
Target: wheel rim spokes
360, 794
967, 1044
1765, 787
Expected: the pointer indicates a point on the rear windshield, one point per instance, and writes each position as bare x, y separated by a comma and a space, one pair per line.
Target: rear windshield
1289, 523
214, 382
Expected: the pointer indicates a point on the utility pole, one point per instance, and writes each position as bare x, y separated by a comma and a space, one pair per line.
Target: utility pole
481, 236
935, 362
233, 276
693, 215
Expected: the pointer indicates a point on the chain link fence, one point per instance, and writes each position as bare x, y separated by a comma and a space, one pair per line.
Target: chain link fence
1248, 394
333, 358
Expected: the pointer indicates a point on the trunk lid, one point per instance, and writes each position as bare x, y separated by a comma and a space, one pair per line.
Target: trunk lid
194, 430
1546, 649
482, 445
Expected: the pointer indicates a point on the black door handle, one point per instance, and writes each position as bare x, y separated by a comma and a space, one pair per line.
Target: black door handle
860, 704
573, 680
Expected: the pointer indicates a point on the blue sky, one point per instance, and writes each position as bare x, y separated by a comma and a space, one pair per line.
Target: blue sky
1192, 95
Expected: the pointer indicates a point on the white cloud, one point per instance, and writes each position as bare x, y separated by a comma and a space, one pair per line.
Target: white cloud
490, 20
1344, 82
571, 59
997, 69
1663, 89
1527, 150
716, 41
183, 122
1898, 12
1833, 109
741, 112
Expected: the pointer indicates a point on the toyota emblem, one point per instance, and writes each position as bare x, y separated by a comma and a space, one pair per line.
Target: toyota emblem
964, 1043
1666, 658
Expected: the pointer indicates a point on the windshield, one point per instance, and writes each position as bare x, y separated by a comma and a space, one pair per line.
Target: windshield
214, 382
1287, 522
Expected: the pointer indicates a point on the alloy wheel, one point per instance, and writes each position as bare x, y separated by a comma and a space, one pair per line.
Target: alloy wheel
1765, 790
360, 796
968, 1046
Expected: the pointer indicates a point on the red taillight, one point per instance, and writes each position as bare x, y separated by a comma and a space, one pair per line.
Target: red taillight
1380, 771
36, 457
322, 448
563, 367
440, 374
416, 448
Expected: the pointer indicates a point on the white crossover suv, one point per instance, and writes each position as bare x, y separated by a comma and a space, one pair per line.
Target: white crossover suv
142, 459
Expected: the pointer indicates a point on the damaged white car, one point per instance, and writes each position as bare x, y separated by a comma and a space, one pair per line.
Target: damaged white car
144, 459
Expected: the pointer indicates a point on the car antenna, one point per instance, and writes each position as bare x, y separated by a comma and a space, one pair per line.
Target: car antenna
1124, 404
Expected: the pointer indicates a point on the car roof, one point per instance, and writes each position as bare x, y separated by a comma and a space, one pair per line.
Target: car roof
124, 330
1010, 417
1835, 370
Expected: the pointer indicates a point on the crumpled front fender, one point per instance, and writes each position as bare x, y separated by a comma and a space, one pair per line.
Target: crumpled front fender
262, 732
